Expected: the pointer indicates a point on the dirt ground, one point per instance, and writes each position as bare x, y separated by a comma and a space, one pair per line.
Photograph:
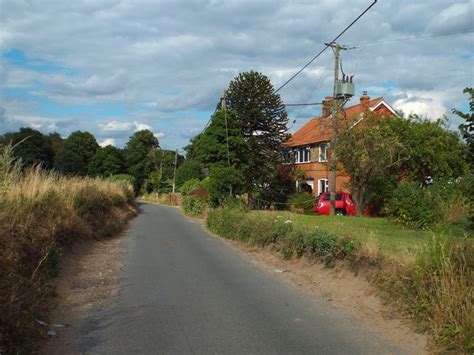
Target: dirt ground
342, 289
87, 280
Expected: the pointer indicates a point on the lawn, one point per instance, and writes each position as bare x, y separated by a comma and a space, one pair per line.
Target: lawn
391, 238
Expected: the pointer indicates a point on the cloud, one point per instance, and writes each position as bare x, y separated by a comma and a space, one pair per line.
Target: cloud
116, 126
167, 62
141, 126
159, 135
106, 142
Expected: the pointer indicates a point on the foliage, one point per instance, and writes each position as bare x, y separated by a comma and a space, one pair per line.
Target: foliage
367, 151
35, 148
210, 147
418, 207
262, 119
302, 200
280, 185
467, 128
78, 150
107, 161
193, 206
188, 170
223, 180
429, 148
189, 185
41, 214
436, 290
140, 156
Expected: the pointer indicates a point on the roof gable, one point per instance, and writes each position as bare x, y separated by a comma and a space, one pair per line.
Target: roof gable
318, 129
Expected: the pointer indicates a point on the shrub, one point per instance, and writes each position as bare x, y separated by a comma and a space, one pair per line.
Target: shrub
189, 186
223, 180
193, 206
443, 202
302, 200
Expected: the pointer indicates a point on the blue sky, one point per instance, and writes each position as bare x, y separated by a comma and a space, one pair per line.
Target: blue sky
113, 67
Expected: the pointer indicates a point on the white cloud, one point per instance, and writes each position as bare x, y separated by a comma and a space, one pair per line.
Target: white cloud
106, 142
116, 126
159, 135
141, 126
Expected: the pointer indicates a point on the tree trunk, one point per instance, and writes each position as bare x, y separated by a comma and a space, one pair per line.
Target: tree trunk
358, 197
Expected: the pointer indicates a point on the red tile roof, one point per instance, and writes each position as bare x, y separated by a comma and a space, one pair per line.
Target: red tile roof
318, 129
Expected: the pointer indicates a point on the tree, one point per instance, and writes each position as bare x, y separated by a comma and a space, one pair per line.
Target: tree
78, 150
140, 156
188, 170
262, 119
57, 144
467, 128
210, 147
107, 161
430, 148
35, 148
367, 151
220, 178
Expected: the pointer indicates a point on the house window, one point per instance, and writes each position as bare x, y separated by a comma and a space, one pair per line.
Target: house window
323, 186
303, 155
323, 152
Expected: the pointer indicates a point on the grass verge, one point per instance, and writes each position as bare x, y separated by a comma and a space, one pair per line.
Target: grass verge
431, 282
41, 214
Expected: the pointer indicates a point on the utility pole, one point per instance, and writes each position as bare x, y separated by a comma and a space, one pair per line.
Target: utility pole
174, 174
224, 108
336, 106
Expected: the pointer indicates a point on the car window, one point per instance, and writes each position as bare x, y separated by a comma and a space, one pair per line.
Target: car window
327, 197
338, 197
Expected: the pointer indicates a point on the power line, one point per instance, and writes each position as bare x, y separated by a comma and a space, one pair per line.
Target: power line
363, 44
308, 104
326, 47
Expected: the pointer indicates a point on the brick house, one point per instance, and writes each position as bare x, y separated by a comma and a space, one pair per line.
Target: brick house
308, 148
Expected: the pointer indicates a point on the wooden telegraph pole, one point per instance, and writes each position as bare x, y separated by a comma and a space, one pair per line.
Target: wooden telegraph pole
336, 107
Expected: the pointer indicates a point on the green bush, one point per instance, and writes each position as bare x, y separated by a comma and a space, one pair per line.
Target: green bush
302, 200
189, 185
194, 206
442, 202
223, 180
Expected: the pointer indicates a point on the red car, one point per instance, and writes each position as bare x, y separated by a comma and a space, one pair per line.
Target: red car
344, 204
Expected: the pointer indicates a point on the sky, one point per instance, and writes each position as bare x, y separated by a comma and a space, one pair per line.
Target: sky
114, 67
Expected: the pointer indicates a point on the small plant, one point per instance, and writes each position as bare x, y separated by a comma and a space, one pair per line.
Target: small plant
303, 201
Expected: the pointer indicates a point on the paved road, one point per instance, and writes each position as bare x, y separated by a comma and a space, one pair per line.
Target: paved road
185, 291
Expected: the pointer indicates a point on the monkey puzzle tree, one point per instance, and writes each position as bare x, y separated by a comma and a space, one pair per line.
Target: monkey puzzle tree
262, 118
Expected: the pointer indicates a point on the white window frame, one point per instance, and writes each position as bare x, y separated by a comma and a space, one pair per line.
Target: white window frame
325, 188
323, 147
302, 153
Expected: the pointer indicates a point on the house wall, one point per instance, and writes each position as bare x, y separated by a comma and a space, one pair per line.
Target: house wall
316, 170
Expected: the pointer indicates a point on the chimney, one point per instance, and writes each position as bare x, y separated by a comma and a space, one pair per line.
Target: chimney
326, 106
364, 99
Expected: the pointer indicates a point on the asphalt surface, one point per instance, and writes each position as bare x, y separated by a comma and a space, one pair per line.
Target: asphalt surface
184, 291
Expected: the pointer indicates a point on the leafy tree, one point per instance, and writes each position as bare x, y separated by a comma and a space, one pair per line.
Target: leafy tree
210, 147
467, 128
140, 156
35, 148
221, 181
188, 170
57, 144
430, 149
78, 150
107, 161
368, 151
262, 118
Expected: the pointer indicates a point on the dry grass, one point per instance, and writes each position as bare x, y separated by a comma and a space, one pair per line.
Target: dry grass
41, 213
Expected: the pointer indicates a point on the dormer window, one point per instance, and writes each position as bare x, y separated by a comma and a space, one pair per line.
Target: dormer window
323, 152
